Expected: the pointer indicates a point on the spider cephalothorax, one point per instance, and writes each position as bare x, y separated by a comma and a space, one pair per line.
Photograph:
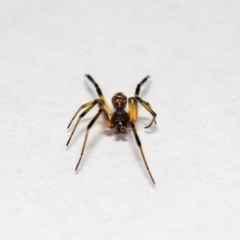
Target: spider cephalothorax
119, 119
119, 100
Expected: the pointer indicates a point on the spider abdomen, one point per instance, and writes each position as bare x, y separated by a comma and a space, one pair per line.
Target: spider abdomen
119, 121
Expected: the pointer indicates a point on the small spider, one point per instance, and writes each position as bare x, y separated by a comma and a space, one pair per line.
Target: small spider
117, 120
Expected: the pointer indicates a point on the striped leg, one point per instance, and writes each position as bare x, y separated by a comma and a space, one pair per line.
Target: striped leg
83, 106
90, 106
141, 150
139, 86
132, 105
99, 91
101, 110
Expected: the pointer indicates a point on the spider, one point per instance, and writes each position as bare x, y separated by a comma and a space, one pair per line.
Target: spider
118, 119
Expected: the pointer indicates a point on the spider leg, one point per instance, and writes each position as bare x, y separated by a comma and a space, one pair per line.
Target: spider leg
83, 106
139, 86
100, 94
90, 106
101, 110
141, 150
132, 105
105, 116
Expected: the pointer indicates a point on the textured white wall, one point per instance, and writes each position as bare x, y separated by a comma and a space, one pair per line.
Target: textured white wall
191, 50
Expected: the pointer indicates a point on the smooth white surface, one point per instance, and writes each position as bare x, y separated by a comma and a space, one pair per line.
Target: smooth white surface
191, 49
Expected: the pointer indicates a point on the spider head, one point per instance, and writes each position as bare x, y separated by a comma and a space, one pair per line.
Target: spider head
119, 100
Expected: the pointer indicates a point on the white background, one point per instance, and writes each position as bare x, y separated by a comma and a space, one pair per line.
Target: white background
191, 49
